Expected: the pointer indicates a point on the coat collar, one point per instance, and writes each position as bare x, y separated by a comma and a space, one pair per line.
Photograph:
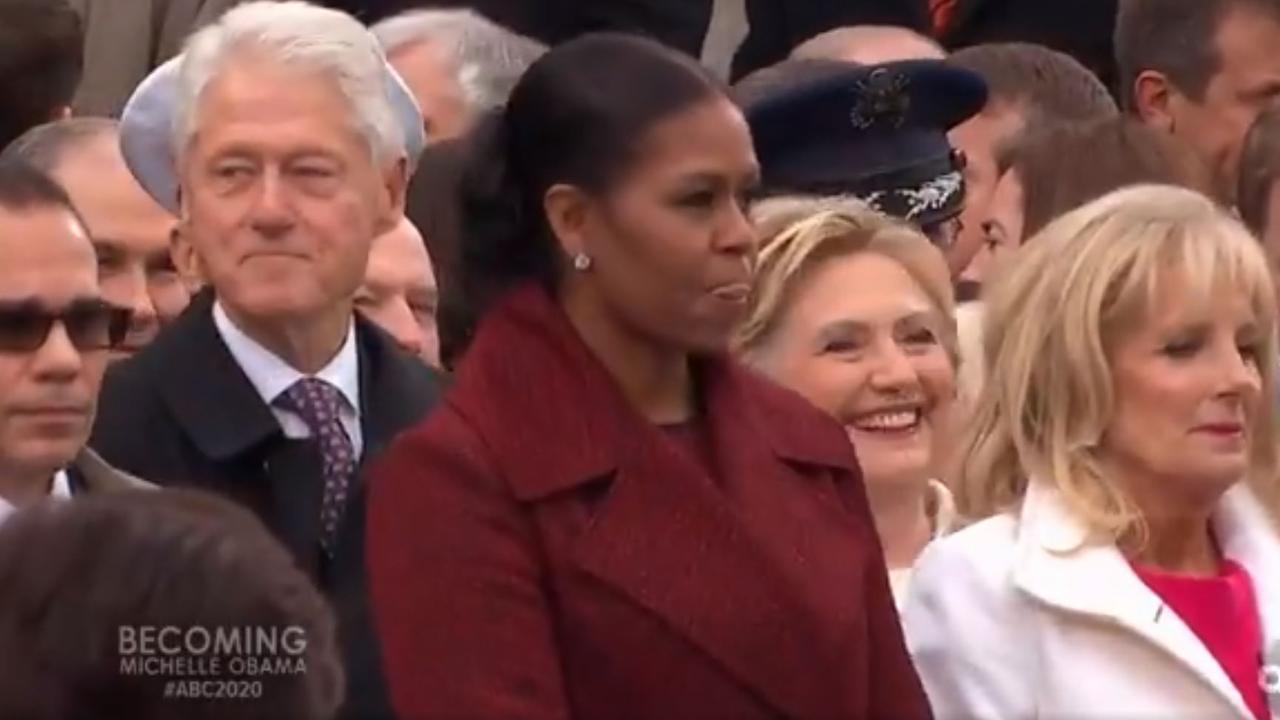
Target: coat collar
95, 475
1061, 565
217, 405
211, 398
1252, 539
528, 362
663, 534
271, 376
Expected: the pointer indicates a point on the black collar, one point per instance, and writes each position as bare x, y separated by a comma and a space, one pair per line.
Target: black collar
210, 396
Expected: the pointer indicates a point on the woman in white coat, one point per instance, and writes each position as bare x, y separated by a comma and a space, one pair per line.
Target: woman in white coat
854, 311
1124, 454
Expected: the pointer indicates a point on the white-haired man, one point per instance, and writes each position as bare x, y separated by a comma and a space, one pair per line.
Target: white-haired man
289, 159
457, 63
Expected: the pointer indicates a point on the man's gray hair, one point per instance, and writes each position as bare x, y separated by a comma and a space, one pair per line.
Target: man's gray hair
44, 146
489, 58
300, 35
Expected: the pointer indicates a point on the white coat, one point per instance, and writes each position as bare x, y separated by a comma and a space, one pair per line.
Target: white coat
1019, 617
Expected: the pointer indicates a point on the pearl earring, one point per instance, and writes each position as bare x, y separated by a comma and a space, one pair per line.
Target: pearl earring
581, 262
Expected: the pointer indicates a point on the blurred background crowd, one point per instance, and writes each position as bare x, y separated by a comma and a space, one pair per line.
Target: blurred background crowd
697, 359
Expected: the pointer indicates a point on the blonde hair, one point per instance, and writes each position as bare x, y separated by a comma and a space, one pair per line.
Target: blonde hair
800, 234
1086, 278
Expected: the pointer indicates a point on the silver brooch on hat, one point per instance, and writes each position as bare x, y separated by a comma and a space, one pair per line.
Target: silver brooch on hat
882, 100
933, 195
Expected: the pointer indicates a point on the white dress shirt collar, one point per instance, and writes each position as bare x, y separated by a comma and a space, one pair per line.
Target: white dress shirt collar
272, 376
59, 489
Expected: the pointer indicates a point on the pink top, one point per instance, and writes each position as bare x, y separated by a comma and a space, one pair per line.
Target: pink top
1223, 613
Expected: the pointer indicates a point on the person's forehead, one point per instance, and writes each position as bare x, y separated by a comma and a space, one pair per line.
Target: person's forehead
701, 138
399, 258
1246, 40
998, 121
110, 201
891, 291
44, 253
274, 105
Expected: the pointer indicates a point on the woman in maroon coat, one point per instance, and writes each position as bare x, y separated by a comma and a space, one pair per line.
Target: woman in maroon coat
610, 518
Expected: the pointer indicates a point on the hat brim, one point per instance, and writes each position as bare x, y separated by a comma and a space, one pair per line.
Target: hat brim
146, 129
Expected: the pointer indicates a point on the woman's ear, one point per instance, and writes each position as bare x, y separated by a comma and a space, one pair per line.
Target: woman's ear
568, 212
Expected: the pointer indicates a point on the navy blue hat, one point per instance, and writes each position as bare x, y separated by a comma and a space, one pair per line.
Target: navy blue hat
878, 132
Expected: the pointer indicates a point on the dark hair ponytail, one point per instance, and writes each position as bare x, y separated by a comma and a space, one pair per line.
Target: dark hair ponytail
574, 118
501, 248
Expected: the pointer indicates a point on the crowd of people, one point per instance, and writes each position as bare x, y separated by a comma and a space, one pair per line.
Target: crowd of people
360, 360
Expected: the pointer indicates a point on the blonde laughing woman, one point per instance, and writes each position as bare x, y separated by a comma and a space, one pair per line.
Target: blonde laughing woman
854, 311
1124, 453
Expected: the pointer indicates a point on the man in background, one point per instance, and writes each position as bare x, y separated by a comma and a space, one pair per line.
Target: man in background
130, 231
399, 291
1258, 194
457, 63
824, 128
1030, 87
55, 332
1201, 70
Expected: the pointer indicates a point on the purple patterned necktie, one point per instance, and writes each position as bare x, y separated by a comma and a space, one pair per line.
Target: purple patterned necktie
319, 404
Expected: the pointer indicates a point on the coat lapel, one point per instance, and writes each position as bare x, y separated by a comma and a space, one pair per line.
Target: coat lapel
585, 433
97, 476
220, 411
1252, 539
396, 390
209, 395
675, 573
1060, 565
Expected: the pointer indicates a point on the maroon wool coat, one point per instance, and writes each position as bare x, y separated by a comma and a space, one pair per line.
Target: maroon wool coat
538, 550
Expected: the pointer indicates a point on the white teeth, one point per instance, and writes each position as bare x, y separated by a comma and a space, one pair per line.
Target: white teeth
898, 420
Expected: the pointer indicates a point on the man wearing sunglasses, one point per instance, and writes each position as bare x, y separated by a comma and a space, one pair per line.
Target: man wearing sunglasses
55, 333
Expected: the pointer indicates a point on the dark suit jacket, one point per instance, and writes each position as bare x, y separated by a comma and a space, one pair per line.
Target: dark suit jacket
125, 41
778, 26
183, 413
679, 23
91, 474
1080, 28
539, 550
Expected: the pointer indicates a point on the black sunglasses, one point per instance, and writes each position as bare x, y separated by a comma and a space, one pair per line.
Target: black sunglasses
90, 325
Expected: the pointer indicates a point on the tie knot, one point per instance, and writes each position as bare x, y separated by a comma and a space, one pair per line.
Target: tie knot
318, 402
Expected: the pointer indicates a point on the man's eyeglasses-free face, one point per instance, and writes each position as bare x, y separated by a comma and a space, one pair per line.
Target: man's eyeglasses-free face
90, 325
